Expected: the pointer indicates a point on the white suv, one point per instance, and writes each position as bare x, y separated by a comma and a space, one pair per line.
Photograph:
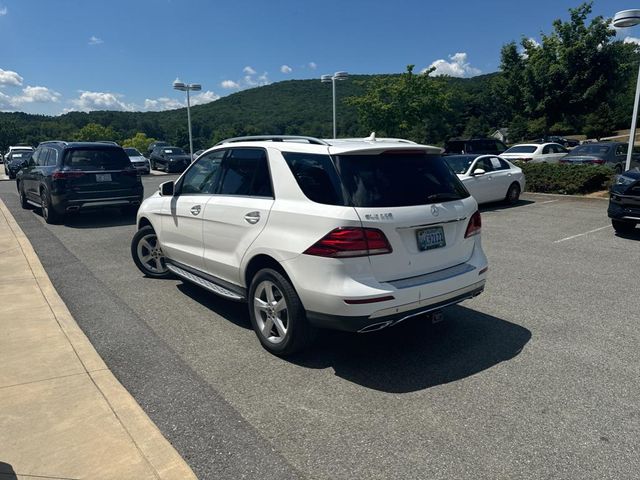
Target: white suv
355, 235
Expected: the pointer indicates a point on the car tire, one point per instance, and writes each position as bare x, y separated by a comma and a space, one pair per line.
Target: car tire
620, 226
282, 330
153, 165
48, 213
618, 169
513, 194
23, 198
147, 253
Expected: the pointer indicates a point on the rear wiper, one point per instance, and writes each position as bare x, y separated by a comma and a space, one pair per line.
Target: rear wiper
444, 196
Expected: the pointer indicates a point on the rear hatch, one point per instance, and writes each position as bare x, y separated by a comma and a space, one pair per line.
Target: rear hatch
417, 201
99, 172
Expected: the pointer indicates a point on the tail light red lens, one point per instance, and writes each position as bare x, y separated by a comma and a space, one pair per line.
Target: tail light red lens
598, 161
351, 242
66, 174
475, 225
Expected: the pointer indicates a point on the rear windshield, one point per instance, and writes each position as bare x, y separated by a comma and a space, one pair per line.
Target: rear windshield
97, 159
590, 150
522, 149
132, 152
387, 180
174, 151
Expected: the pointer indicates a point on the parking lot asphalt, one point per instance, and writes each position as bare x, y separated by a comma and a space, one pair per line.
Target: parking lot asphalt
539, 377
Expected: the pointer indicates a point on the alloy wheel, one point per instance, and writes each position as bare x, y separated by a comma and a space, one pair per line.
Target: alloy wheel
271, 312
150, 254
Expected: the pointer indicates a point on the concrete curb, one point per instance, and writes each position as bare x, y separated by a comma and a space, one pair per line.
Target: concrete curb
156, 450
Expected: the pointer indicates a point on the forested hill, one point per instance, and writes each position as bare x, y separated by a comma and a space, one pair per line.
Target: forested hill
300, 107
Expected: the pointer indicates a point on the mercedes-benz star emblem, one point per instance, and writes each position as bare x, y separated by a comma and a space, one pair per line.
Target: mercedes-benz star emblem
434, 211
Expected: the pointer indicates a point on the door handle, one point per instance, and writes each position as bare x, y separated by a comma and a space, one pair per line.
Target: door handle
252, 217
195, 210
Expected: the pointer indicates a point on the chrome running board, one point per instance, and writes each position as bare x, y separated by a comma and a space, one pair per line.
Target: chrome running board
212, 287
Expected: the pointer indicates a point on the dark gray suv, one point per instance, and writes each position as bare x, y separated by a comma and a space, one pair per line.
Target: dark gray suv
66, 177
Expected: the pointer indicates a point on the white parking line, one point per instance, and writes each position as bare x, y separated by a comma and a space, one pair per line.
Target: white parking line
539, 203
581, 234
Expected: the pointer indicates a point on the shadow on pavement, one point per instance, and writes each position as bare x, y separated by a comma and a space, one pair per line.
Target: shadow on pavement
416, 354
7, 472
109, 217
629, 236
235, 312
499, 206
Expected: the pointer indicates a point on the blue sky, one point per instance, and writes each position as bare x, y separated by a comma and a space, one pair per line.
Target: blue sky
61, 55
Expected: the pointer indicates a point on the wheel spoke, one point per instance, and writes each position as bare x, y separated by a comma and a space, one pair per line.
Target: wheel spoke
145, 244
270, 298
282, 331
158, 263
146, 258
267, 327
280, 305
261, 304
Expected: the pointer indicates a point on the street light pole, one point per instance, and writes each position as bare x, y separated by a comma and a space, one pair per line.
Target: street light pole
188, 87
338, 76
623, 19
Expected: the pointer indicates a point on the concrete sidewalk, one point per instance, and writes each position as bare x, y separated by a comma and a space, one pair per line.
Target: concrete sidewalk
63, 415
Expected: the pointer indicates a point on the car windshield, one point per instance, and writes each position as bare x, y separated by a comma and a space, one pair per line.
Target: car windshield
398, 179
597, 150
522, 149
459, 164
97, 159
132, 152
174, 151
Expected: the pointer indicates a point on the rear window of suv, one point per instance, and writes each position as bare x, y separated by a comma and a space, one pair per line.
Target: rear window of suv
387, 180
97, 159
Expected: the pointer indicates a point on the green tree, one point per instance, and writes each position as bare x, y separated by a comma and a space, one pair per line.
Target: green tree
139, 141
416, 107
598, 124
93, 132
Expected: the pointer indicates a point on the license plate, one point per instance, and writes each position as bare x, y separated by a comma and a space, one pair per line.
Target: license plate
430, 238
103, 177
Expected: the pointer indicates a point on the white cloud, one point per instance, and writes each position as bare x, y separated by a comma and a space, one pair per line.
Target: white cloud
8, 77
229, 84
204, 97
286, 69
632, 40
36, 95
249, 70
162, 103
88, 101
93, 40
312, 65
3, 11
456, 67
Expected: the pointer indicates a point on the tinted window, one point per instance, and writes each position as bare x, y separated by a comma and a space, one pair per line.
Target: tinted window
459, 164
498, 164
132, 152
246, 173
97, 159
522, 149
455, 146
316, 177
504, 165
172, 151
396, 180
52, 157
203, 175
598, 150
485, 164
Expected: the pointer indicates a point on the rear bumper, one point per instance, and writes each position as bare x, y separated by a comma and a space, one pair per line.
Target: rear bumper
344, 295
370, 323
64, 205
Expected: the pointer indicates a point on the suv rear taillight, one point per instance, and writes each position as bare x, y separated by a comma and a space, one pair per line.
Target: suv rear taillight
348, 242
66, 174
475, 225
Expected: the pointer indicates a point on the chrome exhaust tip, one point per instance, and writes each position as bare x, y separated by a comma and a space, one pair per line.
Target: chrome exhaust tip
375, 327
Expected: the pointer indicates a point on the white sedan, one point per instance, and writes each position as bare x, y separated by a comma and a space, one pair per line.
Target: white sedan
489, 178
536, 152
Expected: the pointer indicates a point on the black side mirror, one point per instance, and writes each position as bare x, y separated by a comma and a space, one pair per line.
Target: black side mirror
167, 189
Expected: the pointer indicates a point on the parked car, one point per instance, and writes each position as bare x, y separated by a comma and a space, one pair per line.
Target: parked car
356, 236
624, 202
155, 145
23, 148
66, 177
15, 160
611, 154
536, 153
138, 160
109, 142
169, 159
488, 178
478, 146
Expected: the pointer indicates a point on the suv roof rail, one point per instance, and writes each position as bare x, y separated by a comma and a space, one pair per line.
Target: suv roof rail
273, 138
52, 141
